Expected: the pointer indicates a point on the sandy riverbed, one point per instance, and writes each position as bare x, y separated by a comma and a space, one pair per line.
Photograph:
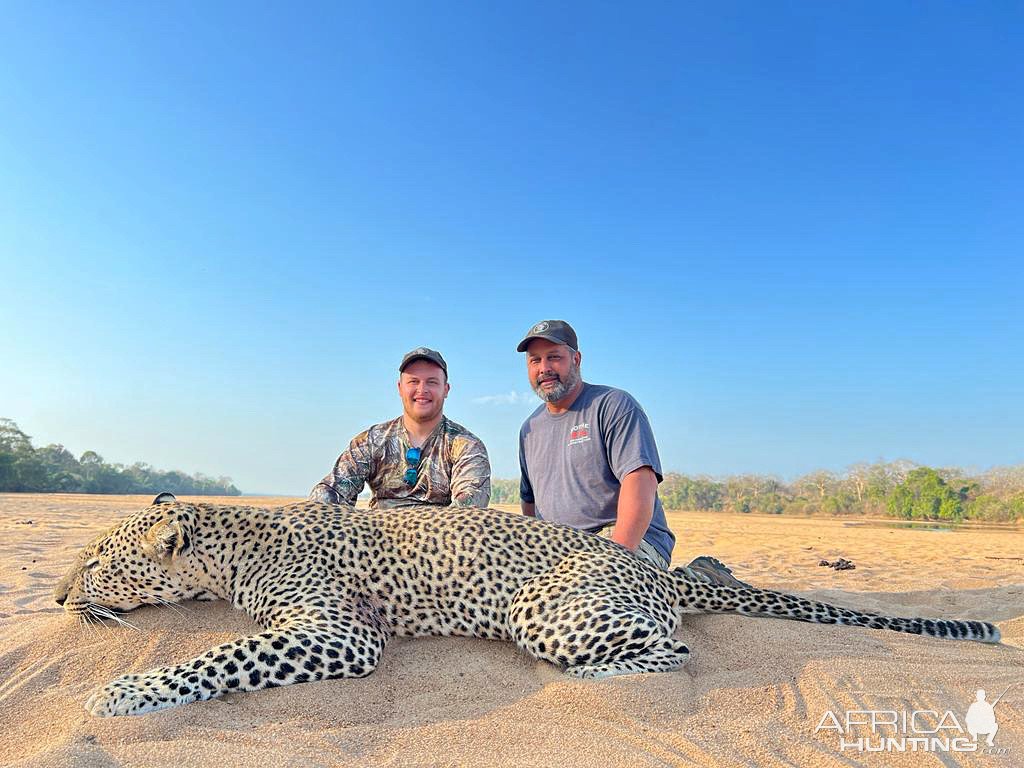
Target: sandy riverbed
752, 694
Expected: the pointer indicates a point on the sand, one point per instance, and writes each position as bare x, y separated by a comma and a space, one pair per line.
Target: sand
752, 695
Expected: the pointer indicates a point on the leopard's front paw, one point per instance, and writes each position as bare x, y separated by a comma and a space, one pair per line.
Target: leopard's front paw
130, 695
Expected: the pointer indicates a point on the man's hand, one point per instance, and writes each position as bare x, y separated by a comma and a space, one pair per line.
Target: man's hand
529, 508
636, 507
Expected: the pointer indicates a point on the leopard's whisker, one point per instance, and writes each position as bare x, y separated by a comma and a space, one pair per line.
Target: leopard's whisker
178, 609
109, 614
118, 620
122, 622
92, 622
94, 617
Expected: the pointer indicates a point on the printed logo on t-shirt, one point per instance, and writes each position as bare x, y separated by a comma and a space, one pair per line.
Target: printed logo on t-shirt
580, 433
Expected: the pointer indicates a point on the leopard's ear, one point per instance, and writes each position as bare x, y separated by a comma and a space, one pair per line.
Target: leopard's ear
167, 539
164, 498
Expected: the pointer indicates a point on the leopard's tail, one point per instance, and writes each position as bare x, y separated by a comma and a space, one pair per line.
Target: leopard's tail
712, 598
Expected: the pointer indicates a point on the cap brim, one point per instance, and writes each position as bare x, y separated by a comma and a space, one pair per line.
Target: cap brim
412, 360
526, 342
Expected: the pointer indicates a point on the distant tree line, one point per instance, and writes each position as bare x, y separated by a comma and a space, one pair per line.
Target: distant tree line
504, 491
55, 469
900, 489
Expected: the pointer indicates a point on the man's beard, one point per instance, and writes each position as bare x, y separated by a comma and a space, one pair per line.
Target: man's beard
561, 389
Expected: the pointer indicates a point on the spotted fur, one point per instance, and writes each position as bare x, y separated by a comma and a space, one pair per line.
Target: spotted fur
331, 585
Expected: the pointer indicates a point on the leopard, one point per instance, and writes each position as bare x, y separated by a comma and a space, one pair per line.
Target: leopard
330, 585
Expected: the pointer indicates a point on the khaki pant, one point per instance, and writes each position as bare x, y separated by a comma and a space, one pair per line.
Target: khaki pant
645, 551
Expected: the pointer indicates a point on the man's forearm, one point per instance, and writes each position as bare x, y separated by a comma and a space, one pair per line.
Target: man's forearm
636, 507
469, 490
324, 493
471, 477
345, 481
343, 492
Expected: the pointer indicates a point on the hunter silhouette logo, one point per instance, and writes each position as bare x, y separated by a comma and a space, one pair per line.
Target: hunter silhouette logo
981, 717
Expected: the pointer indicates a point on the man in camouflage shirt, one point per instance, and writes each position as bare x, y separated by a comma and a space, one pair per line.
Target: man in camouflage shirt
422, 457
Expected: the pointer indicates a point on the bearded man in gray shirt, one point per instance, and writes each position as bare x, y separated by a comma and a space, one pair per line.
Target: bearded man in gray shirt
588, 457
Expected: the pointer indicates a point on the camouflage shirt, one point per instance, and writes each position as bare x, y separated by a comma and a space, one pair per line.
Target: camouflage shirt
453, 469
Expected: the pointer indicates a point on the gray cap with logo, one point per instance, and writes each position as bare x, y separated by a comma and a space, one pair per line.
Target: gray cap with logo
423, 353
557, 331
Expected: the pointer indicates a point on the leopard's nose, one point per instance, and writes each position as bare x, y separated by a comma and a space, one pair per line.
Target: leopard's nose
60, 599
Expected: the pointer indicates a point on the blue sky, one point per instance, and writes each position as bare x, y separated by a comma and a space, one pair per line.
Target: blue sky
793, 231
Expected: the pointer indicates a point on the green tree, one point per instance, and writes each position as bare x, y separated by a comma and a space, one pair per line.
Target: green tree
504, 491
12, 439
924, 495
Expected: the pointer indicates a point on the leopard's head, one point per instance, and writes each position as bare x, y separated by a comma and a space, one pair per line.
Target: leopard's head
146, 559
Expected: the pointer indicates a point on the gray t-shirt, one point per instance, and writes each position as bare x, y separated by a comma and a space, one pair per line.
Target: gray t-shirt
572, 463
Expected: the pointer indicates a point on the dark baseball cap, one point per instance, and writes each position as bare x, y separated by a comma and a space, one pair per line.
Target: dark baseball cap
557, 331
422, 353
